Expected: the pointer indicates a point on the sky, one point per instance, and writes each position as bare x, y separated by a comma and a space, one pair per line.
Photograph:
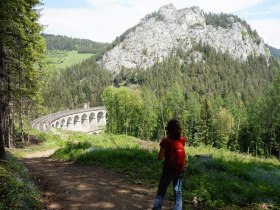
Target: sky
104, 20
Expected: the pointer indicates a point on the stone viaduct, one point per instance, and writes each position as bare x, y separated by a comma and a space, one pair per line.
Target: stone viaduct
88, 120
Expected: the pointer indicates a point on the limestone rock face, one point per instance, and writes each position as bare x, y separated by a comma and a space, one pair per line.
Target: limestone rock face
157, 35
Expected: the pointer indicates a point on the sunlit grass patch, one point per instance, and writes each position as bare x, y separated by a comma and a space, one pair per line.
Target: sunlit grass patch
17, 192
61, 59
215, 178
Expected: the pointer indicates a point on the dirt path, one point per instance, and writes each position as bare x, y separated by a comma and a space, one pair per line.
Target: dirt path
65, 185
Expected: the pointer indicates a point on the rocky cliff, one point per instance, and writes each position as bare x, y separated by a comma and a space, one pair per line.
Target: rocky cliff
159, 33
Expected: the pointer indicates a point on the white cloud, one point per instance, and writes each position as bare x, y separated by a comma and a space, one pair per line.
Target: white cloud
213, 5
86, 23
268, 29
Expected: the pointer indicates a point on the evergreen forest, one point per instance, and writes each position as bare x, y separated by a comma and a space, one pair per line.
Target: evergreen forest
59, 42
219, 100
22, 68
274, 51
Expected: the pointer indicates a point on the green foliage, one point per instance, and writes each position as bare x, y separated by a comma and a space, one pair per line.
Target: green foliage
274, 51
157, 15
217, 74
128, 161
221, 183
243, 35
264, 121
179, 86
205, 127
62, 59
226, 20
174, 104
103, 140
79, 143
176, 87
22, 63
223, 125
40, 141
59, 42
150, 115
223, 20
16, 190
72, 87
124, 107
222, 179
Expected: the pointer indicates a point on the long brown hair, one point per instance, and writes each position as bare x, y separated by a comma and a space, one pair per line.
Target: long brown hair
173, 129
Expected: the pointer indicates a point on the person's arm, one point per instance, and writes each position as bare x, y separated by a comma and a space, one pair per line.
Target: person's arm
161, 153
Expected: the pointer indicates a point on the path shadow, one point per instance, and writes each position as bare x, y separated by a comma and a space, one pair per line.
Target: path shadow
65, 185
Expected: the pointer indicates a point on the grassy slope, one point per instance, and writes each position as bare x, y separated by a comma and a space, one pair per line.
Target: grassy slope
17, 192
62, 59
222, 180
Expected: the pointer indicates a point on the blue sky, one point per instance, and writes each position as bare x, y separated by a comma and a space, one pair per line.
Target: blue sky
103, 20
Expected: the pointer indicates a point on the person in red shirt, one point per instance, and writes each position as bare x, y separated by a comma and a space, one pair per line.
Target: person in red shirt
169, 173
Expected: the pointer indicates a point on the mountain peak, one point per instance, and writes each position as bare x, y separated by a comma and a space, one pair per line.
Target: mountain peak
167, 7
159, 33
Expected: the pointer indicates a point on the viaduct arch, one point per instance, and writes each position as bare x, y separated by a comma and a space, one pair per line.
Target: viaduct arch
88, 120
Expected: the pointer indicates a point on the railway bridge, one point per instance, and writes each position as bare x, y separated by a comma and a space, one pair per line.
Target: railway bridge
87, 120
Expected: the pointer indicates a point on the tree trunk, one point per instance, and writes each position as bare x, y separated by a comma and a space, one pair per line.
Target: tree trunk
10, 126
2, 100
21, 121
5, 128
9, 114
2, 147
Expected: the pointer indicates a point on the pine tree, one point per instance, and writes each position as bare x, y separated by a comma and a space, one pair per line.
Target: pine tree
205, 132
21, 62
223, 125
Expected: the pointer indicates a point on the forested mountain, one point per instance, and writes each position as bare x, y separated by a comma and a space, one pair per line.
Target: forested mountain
216, 74
221, 90
59, 42
274, 51
158, 34
73, 86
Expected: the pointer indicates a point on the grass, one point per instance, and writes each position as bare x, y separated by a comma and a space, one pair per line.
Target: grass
215, 178
40, 141
62, 59
220, 180
17, 192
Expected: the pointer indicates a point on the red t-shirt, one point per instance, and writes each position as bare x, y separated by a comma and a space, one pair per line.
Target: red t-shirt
166, 146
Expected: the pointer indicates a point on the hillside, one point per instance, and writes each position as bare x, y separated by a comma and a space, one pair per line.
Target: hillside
63, 51
215, 178
71, 87
157, 35
216, 74
202, 87
274, 51
202, 64
58, 59
59, 42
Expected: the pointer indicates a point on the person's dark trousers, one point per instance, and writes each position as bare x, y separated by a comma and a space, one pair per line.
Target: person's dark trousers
166, 177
